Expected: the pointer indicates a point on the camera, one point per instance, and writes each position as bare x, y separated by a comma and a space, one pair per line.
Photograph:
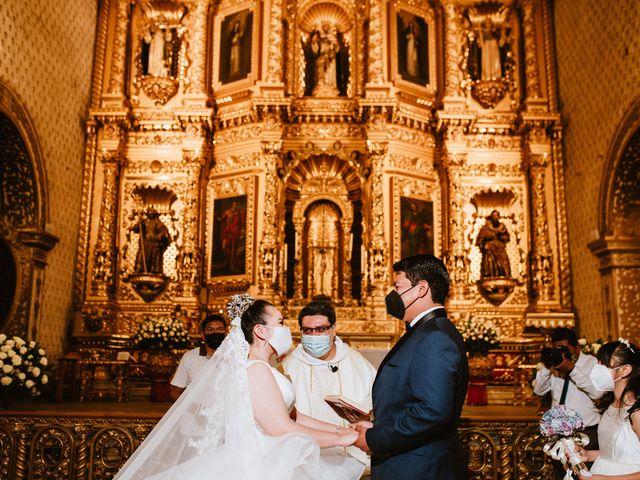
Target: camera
552, 357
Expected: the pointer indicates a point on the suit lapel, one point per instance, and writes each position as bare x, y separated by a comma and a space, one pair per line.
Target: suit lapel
434, 313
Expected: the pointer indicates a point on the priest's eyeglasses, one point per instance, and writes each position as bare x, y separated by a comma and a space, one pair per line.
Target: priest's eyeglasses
321, 330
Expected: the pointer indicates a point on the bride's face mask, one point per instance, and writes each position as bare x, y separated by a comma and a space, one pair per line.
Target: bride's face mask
280, 339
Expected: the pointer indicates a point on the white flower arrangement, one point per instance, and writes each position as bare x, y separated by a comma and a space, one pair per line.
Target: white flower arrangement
162, 333
479, 335
590, 348
19, 376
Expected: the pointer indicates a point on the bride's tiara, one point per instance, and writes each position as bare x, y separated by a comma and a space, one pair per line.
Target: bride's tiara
238, 304
626, 343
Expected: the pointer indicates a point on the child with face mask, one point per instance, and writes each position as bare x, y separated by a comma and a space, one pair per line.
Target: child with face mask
617, 374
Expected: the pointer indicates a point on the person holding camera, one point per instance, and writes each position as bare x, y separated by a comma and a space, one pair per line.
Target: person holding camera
566, 374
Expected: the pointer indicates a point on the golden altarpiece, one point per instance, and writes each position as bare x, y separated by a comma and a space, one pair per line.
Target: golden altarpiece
296, 149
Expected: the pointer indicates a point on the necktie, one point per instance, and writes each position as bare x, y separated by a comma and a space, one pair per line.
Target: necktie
565, 388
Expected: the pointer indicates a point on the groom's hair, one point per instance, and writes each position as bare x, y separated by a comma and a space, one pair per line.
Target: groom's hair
429, 268
318, 308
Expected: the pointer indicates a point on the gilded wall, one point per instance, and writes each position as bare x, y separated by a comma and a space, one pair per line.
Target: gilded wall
47, 57
598, 50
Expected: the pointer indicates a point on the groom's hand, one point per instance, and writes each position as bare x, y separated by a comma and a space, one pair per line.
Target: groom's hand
361, 442
362, 424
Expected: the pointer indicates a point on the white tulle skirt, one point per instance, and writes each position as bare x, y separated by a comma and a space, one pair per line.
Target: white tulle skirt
290, 457
602, 466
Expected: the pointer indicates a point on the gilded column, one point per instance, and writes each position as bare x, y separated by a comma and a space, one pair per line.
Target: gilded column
566, 299
541, 264
275, 51
88, 178
198, 48
100, 49
378, 249
452, 37
376, 42
189, 257
104, 257
506, 449
268, 255
116, 78
457, 258
298, 280
82, 451
23, 436
532, 72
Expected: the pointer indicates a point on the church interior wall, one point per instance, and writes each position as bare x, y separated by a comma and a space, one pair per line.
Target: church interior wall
47, 57
598, 59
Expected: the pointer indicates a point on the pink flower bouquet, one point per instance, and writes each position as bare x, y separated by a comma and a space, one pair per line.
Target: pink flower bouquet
561, 425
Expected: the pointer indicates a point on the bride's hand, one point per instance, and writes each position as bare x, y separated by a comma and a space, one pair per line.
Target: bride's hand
346, 437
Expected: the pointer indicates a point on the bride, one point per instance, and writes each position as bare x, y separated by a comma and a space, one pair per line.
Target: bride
237, 421
618, 374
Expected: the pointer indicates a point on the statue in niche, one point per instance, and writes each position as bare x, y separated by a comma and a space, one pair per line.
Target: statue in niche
492, 241
160, 51
323, 272
327, 63
154, 240
489, 46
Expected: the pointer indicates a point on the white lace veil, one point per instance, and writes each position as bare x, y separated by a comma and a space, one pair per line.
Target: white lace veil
212, 418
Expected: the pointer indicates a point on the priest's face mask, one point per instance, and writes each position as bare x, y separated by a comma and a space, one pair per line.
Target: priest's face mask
318, 335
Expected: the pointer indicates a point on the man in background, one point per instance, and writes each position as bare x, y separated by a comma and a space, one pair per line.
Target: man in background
322, 364
566, 376
213, 330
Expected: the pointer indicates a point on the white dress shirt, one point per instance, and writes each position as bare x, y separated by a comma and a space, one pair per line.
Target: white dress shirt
420, 315
581, 392
189, 366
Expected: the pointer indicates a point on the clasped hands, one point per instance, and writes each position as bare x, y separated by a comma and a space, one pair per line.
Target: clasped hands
361, 442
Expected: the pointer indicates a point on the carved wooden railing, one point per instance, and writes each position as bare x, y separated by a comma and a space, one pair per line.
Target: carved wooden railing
72, 446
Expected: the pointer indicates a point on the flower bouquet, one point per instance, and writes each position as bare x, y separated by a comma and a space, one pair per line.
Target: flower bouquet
590, 348
479, 335
162, 334
23, 367
561, 425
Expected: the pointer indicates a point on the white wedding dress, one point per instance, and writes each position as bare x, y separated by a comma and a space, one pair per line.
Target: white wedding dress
619, 444
210, 432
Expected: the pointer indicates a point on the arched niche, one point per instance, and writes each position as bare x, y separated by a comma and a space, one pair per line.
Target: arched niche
316, 186
23, 218
618, 245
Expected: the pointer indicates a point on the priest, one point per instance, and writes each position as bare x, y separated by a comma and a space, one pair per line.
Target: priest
322, 364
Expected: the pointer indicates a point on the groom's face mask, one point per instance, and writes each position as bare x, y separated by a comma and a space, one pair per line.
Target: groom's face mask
395, 305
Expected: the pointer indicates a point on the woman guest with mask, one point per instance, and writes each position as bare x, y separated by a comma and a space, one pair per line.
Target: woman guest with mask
237, 420
322, 364
213, 329
617, 374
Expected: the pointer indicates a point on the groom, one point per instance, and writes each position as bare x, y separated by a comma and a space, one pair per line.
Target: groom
421, 384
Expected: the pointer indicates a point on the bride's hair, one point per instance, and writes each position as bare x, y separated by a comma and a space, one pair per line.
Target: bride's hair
616, 354
252, 316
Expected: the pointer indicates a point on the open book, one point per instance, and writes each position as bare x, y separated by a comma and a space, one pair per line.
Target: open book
348, 409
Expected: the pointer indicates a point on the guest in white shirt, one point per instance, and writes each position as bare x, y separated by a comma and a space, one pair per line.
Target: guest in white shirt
322, 364
572, 375
213, 330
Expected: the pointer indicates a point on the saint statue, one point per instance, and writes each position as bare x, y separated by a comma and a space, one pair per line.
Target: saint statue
154, 240
492, 241
489, 41
322, 272
327, 63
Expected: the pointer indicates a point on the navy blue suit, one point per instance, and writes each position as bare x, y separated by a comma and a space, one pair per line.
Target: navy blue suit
418, 396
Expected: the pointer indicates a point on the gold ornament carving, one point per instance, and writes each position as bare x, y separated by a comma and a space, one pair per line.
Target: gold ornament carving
196, 23
481, 454
118, 59
375, 43
531, 60
51, 454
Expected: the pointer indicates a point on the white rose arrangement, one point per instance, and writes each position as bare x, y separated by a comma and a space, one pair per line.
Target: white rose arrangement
23, 370
590, 348
162, 333
479, 335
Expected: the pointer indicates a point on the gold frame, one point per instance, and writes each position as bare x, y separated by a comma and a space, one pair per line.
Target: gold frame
220, 89
227, 187
429, 16
403, 186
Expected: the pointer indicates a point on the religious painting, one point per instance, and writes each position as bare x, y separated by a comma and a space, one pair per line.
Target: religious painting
228, 255
236, 31
412, 50
416, 227
412, 47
